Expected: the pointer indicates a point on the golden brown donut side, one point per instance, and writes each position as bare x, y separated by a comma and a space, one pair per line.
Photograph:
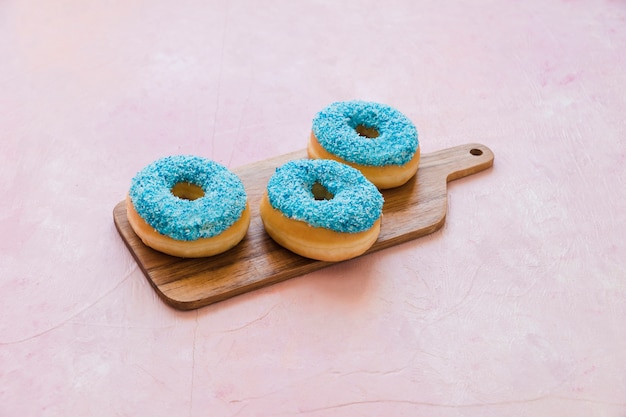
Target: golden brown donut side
315, 242
188, 249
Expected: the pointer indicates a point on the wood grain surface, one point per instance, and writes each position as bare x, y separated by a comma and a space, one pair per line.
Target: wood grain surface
410, 211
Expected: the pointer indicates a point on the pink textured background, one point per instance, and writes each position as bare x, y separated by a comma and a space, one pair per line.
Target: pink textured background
516, 307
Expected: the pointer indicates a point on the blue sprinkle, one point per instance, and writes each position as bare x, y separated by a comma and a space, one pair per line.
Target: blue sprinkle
356, 204
221, 206
334, 127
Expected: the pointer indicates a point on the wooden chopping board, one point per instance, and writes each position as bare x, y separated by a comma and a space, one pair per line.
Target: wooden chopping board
410, 211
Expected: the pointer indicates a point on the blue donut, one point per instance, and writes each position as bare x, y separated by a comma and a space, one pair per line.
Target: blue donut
352, 205
337, 128
221, 206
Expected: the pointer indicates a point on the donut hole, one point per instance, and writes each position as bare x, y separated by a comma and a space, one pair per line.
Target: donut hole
367, 132
320, 192
187, 191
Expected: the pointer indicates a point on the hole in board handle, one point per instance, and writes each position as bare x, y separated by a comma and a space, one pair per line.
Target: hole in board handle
476, 152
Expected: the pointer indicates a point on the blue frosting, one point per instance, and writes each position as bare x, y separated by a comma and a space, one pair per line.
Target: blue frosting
221, 206
335, 129
356, 204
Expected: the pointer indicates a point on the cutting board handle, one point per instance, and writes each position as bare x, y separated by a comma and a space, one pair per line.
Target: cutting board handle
460, 161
